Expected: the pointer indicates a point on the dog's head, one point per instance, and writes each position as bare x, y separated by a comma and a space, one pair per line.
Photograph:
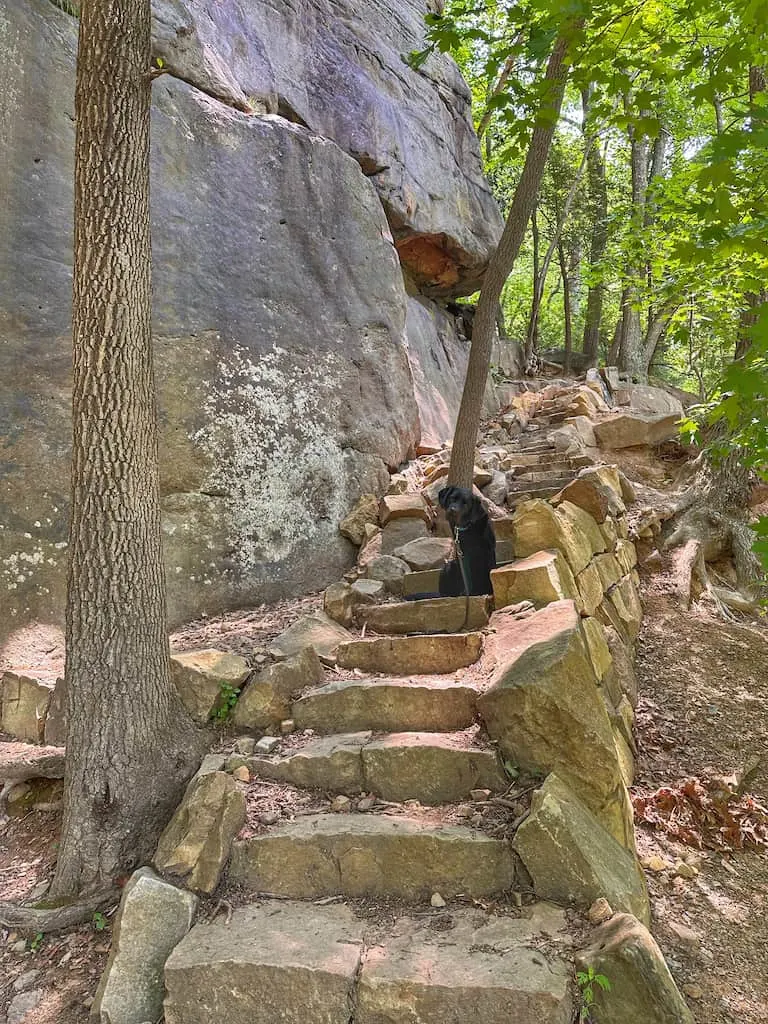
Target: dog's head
461, 506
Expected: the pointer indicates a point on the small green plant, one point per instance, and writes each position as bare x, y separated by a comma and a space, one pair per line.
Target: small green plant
511, 770
587, 980
99, 921
36, 942
228, 696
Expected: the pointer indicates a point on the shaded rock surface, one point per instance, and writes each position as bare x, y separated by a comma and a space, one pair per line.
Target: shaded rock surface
642, 989
196, 842
153, 918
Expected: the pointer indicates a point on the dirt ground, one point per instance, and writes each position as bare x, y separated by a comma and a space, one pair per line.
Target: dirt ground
702, 713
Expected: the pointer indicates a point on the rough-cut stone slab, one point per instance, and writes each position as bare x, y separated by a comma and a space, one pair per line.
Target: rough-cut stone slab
438, 615
626, 555
153, 918
589, 495
597, 646
339, 602
485, 969
432, 768
629, 430
200, 675
386, 705
402, 506
352, 526
590, 589
318, 631
544, 708
398, 533
626, 600
371, 855
23, 706
572, 859
426, 582
55, 734
642, 989
442, 652
196, 842
538, 526
331, 763
426, 553
389, 570
608, 568
21, 761
623, 664
267, 698
541, 578
274, 961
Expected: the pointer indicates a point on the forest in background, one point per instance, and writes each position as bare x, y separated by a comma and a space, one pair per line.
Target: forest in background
646, 246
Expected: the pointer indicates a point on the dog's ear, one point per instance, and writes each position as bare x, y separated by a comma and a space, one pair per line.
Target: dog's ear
476, 510
444, 496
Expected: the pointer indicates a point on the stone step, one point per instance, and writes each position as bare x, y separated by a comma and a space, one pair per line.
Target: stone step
439, 615
372, 855
526, 485
423, 655
537, 491
280, 960
560, 466
387, 705
433, 768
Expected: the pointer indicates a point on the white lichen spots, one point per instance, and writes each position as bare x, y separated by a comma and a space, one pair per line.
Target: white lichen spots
271, 440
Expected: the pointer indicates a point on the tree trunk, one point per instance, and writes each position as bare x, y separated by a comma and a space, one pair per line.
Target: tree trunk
566, 306
130, 745
752, 300
630, 344
502, 261
532, 335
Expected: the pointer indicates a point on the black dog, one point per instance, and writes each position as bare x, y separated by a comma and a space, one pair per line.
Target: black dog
470, 572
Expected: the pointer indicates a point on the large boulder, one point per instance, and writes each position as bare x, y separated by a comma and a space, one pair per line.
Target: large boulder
338, 68
642, 989
544, 708
284, 386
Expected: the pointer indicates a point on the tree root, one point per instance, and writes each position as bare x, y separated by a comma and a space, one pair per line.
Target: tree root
52, 919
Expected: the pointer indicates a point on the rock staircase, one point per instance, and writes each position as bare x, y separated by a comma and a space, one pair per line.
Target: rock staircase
338, 925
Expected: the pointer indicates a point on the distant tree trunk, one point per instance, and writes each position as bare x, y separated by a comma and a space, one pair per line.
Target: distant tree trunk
502, 261
130, 745
631, 339
566, 306
532, 335
752, 300
598, 203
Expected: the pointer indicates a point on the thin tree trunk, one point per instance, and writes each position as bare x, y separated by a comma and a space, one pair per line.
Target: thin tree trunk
630, 345
752, 300
502, 261
532, 335
130, 745
566, 307
540, 280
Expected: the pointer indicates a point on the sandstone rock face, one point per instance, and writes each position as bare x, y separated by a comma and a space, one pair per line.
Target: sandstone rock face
338, 69
284, 391
431, 615
572, 859
442, 652
642, 989
630, 430
540, 578
153, 918
196, 842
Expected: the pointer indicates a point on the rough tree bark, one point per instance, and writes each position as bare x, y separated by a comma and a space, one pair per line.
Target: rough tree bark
131, 747
502, 261
752, 300
567, 318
